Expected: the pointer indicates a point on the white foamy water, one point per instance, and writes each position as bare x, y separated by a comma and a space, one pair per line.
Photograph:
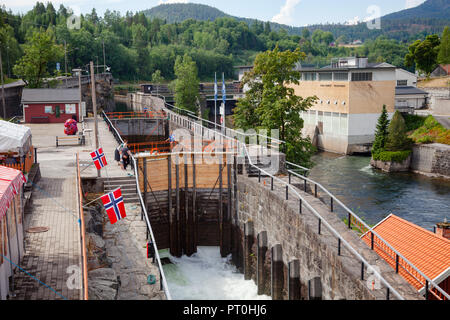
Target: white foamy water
368, 169
208, 276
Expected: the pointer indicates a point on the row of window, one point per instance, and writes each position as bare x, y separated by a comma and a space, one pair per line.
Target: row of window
336, 76
334, 123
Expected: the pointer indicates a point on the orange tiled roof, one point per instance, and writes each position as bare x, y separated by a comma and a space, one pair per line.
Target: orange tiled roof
427, 251
446, 67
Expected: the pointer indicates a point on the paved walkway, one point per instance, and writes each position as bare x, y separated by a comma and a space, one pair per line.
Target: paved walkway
49, 255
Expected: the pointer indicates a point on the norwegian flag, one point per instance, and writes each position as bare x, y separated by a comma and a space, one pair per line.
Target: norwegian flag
99, 158
115, 208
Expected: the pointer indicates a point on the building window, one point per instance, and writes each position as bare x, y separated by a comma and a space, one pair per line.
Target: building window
309, 76
340, 76
402, 82
362, 76
48, 109
328, 76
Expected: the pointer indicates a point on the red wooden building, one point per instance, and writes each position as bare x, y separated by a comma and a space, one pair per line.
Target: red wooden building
50, 105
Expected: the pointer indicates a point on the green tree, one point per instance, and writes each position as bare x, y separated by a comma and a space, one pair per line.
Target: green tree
186, 84
424, 54
157, 79
274, 103
40, 50
444, 49
397, 139
381, 132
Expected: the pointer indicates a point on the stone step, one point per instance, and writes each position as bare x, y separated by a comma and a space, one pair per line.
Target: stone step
122, 187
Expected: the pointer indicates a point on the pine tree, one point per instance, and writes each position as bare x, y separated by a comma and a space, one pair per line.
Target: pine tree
397, 139
381, 132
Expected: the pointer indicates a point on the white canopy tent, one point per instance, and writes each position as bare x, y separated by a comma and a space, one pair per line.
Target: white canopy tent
14, 138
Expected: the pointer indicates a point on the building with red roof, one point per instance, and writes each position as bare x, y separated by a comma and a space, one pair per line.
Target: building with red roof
11, 225
429, 252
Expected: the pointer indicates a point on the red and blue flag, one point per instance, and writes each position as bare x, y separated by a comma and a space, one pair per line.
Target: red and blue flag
99, 158
114, 205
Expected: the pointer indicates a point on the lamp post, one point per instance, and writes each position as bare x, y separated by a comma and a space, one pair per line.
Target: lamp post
80, 109
94, 105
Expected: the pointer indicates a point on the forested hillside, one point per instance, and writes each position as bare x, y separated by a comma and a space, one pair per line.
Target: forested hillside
136, 46
406, 25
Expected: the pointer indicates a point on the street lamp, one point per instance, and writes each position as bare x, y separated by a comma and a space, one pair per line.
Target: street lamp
80, 109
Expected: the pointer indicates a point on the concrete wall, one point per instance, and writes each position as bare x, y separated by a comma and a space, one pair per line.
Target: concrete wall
431, 159
297, 234
140, 100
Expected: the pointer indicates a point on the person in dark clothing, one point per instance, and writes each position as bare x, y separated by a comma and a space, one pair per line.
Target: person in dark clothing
126, 156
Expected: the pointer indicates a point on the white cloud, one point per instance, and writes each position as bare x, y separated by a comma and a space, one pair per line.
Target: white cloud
172, 1
413, 3
354, 21
285, 15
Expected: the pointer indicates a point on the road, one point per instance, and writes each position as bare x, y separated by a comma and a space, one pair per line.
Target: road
444, 120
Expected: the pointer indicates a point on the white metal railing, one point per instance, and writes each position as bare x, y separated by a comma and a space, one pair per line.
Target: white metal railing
190, 124
163, 280
332, 230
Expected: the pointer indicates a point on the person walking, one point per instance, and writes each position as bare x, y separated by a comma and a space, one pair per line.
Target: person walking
117, 152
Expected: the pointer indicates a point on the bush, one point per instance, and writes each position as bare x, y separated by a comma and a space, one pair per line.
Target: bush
413, 122
431, 131
392, 156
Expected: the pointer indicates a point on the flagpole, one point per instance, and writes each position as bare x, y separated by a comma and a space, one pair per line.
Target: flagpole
224, 97
215, 100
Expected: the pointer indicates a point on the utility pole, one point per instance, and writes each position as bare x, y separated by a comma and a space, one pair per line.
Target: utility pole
65, 60
94, 105
80, 108
104, 59
3, 87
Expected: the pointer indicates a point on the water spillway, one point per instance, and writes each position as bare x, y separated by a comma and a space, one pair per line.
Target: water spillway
207, 276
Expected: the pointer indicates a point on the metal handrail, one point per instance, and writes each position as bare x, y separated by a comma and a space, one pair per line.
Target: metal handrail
236, 133
311, 209
370, 230
164, 285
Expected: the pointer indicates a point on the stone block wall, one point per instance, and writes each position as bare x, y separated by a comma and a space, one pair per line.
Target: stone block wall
431, 159
296, 234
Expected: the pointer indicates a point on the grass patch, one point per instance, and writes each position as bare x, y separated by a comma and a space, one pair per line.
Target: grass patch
392, 156
431, 132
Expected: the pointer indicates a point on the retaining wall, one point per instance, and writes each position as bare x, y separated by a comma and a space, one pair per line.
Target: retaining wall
433, 159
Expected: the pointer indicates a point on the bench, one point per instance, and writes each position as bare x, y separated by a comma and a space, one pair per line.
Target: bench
78, 139
42, 119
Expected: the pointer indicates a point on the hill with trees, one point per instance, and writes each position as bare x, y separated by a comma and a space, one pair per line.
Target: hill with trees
405, 25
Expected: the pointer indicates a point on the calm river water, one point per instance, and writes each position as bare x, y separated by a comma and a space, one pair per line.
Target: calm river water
373, 194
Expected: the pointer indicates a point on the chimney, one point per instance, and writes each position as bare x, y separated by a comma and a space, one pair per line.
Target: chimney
443, 229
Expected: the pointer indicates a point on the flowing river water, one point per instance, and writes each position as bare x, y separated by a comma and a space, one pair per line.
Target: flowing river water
373, 194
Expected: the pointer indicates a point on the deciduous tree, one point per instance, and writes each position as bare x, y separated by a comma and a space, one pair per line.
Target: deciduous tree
40, 50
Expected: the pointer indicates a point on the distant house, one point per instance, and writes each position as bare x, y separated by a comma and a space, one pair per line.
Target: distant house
242, 70
441, 70
405, 78
408, 98
429, 252
50, 105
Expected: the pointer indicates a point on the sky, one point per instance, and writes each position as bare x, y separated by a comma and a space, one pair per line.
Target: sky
290, 12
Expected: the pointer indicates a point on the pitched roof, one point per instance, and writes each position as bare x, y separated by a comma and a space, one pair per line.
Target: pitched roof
427, 251
50, 95
406, 90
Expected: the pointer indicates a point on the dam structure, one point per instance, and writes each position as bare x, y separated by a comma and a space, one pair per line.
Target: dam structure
287, 233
